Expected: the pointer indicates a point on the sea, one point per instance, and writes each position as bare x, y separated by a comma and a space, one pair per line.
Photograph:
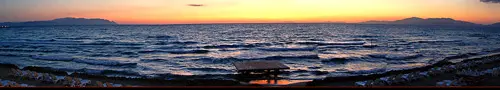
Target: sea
311, 50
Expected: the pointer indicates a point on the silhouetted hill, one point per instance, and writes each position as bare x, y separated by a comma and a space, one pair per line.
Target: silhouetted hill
62, 21
495, 24
421, 21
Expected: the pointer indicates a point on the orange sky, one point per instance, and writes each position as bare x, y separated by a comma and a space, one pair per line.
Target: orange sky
248, 11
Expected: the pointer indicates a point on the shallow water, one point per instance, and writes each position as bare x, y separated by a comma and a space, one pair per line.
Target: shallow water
311, 50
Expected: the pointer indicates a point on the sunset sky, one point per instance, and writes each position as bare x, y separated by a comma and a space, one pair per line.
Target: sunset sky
248, 11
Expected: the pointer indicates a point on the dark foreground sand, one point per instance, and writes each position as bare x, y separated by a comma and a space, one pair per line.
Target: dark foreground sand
486, 62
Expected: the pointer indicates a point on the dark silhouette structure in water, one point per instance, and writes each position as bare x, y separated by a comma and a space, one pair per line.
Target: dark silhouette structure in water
264, 67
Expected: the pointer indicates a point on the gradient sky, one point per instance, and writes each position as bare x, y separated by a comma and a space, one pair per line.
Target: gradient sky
247, 11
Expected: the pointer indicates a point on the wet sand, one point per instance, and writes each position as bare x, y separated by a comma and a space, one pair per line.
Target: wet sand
5, 69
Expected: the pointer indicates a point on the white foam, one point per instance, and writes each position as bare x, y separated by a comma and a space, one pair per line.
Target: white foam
361, 83
329, 52
69, 73
309, 42
58, 78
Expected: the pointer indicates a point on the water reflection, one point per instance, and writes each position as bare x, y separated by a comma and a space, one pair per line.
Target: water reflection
278, 82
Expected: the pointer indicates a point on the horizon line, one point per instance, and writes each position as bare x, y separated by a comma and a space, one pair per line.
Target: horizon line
246, 22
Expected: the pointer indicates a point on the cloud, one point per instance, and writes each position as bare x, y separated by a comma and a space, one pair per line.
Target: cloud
490, 1
196, 5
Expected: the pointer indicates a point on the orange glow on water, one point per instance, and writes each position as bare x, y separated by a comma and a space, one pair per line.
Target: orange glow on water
277, 82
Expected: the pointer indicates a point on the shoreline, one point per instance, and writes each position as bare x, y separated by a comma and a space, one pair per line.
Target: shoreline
238, 82
342, 81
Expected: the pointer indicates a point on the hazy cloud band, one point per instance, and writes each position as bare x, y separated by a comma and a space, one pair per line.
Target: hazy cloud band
195, 5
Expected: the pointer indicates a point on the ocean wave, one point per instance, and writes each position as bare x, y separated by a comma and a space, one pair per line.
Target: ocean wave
479, 35
231, 46
371, 71
335, 61
57, 42
291, 57
161, 43
466, 55
90, 71
328, 52
242, 58
160, 37
15, 54
257, 55
332, 43
101, 55
74, 38
287, 49
98, 43
177, 47
104, 62
152, 51
370, 45
227, 39
127, 43
174, 42
153, 60
367, 36
341, 60
177, 51
495, 50
188, 51
53, 57
114, 73
111, 43
184, 42
27, 50
339, 46
119, 72
210, 69
437, 41
126, 53
395, 56
17, 39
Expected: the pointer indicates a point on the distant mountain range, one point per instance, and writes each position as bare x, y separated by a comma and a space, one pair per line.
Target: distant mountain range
495, 24
428, 21
97, 21
62, 21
